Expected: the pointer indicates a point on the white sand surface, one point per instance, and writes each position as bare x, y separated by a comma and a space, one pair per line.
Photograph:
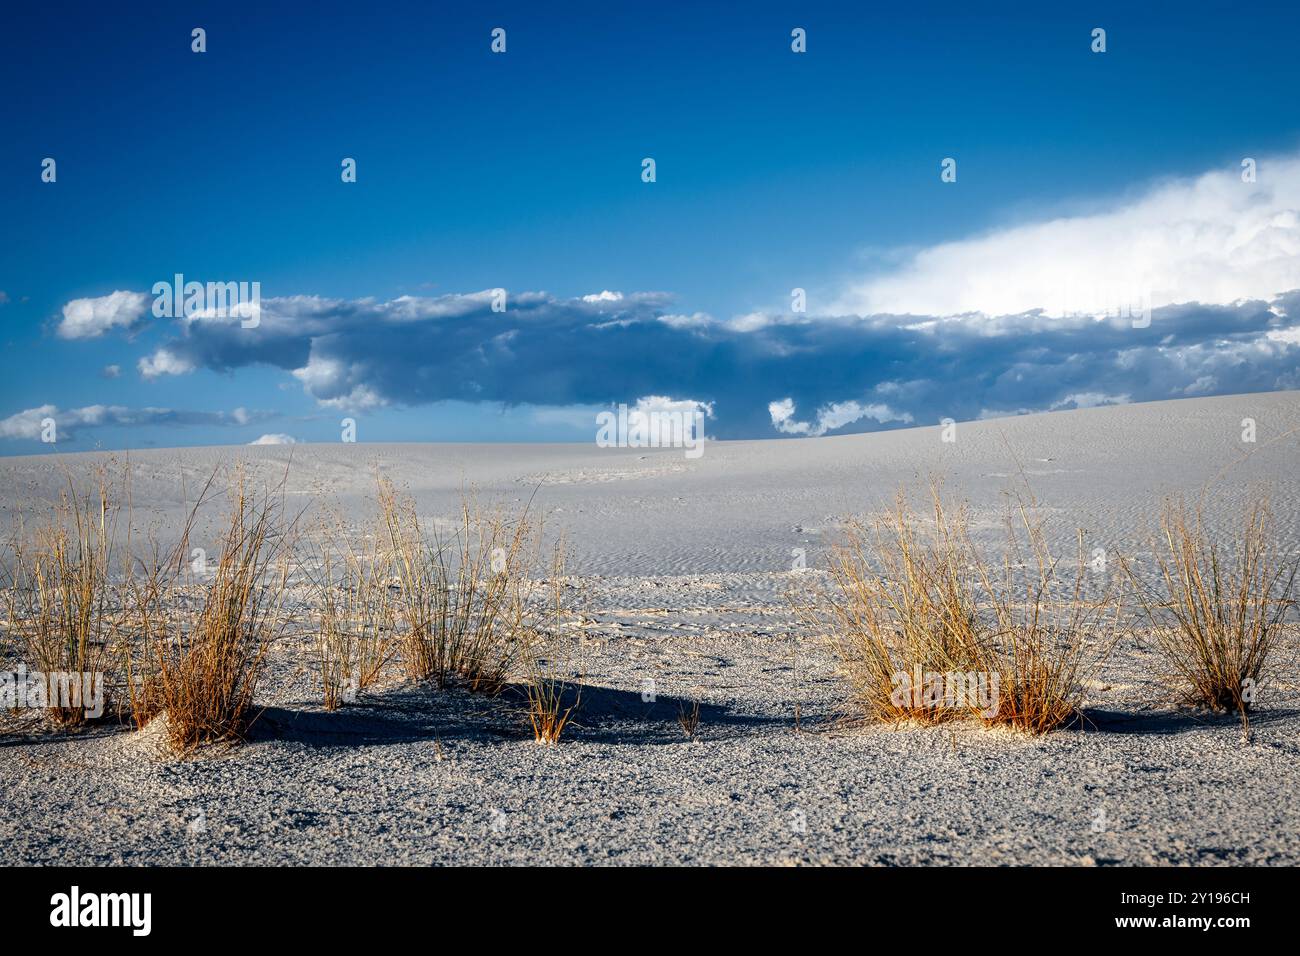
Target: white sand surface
688, 566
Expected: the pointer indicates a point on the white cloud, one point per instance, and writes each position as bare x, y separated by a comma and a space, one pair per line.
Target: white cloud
751, 322
277, 438
830, 417
605, 296
1090, 400
697, 320
226, 314
657, 415
987, 413
29, 423
1212, 240
662, 403
91, 318
1202, 386
164, 362
111, 371
327, 376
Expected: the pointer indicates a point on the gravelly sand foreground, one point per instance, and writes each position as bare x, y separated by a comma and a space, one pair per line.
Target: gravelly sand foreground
687, 562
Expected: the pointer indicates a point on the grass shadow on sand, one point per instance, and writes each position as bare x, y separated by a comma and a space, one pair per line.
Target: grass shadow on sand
609, 715
606, 715
404, 715
39, 736
1162, 723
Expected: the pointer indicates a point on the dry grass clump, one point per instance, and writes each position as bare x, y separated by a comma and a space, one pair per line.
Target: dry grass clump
928, 629
61, 606
460, 602
1217, 619
688, 718
199, 662
1047, 626
186, 634
546, 658
469, 611
355, 639
902, 602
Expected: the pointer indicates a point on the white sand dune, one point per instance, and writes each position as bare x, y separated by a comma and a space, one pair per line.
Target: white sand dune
688, 563
743, 506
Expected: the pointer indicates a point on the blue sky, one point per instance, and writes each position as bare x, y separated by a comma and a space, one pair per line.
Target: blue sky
775, 170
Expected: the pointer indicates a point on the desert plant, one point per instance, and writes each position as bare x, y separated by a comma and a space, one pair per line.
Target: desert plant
688, 718
354, 639
62, 607
200, 661
1049, 624
333, 637
1216, 620
458, 599
927, 628
545, 657
901, 601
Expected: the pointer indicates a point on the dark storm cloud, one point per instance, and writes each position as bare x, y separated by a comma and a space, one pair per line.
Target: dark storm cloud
840, 372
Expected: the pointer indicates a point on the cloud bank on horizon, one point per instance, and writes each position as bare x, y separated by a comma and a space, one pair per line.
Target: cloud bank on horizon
30, 422
1212, 240
1191, 287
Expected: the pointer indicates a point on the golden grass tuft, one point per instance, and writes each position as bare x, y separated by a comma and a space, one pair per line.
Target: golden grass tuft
459, 602
913, 595
1216, 619
901, 599
199, 662
1050, 624
356, 618
546, 657
688, 718
58, 593
186, 637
